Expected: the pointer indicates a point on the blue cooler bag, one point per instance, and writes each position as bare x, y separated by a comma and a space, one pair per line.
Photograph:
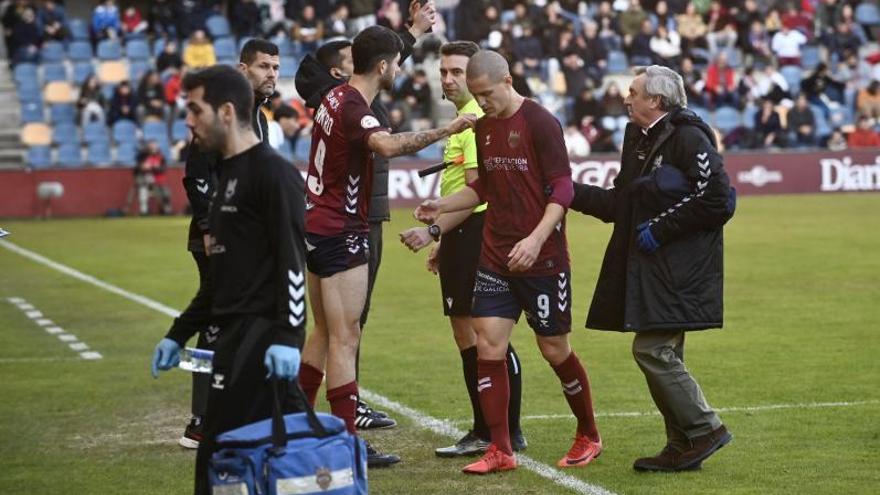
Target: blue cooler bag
296, 454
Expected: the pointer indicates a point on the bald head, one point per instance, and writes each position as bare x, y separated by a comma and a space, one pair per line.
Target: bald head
490, 64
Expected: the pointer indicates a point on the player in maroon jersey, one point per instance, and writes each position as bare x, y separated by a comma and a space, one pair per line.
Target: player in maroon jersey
345, 135
525, 176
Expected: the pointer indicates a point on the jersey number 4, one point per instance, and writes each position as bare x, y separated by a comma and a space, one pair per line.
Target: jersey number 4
316, 184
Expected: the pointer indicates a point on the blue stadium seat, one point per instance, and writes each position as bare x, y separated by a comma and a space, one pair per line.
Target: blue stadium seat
32, 112
727, 119
65, 134
99, 154
792, 76
39, 156
96, 132
155, 131
242, 41
25, 74
286, 47
80, 51
136, 71
703, 113
431, 152
125, 131
285, 151
179, 131
62, 113
107, 91
137, 49
217, 26
617, 138
70, 155
225, 48
52, 51
158, 46
617, 62
82, 71
55, 71
30, 93
810, 57
867, 14
302, 149
733, 58
749, 116
608, 123
109, 50
79, 30
126, 154
230, 61
288, 67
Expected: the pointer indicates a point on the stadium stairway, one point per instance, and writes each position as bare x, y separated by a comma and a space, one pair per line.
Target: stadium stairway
11, 150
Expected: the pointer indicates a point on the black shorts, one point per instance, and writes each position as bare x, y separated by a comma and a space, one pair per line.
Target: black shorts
546, 300
459, 258
328, 255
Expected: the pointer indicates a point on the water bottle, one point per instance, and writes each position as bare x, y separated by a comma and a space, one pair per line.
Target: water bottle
196, 360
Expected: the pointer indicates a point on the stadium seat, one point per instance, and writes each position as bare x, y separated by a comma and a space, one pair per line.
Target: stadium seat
749, 116
155, 131
727, 119
288, 67
36, 134
126, 154
179, 131
58, 92
703, 113
136, 71
733, 58
25, 74
867, 14
30, 93
608, 123
82, 71
230, 61
617, 138
65, 134
80, 51
62, 113
792, 76
98, 154
810, 57
125, 131
217, 26
242, 41
158, 46
302, 149
32, 112
225, 48
112, 72
55, 71
109, 50
39, 156
286, 47
617, 62
79, 30
52, 51
70, 155
96, 132
137, 49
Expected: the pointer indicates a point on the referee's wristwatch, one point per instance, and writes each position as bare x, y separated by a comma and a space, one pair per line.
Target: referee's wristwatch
434, 231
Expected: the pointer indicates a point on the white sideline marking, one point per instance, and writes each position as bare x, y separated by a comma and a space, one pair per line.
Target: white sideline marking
43, 322
16, 300
79, 346
37, 359
447, 429
67, 337
423, 420
52, 329
33, 314
25, 307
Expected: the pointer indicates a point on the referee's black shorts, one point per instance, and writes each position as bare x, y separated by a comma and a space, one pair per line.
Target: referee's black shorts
459, 257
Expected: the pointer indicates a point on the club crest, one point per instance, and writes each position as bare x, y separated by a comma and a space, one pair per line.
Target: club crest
230, 189
513, 139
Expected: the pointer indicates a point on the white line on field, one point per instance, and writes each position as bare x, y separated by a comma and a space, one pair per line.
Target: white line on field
423, 420
52, 329
37, 359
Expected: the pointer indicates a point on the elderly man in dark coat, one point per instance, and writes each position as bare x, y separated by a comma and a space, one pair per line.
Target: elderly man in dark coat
663, 269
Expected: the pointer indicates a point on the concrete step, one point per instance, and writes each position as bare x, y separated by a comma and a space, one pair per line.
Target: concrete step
11, 157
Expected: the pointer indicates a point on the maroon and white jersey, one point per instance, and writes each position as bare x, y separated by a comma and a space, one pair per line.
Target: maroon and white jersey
340, 164
518, 158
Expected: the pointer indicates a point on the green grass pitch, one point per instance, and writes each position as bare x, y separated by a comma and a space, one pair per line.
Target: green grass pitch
802, 293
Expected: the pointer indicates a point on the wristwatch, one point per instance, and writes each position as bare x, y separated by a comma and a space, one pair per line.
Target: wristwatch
434, 231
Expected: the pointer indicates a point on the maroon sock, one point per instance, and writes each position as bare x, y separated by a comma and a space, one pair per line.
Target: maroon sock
494, 388
576, 386
343, 404
310, 379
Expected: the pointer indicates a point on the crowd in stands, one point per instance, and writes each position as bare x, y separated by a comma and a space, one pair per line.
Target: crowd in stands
776, 73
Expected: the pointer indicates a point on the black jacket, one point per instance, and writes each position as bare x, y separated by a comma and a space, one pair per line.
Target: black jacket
313, 81
683, 191
257, 222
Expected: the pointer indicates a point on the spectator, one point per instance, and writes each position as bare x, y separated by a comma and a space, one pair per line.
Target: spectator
520, 84
308, 30
773, 85
822, 89
639, 48
837, 141
200, 51
608, 28
868, 101
798, 20
150, 180
389, 15
576, 78
575, 142
105, 21
745, 18
722, 33
802, 122
169, 58
786, 45
363, 14
827, 16
90, 104
288, 119
693, 83
758, 46
163, 19
692, 28
662, 18
53, 21
26, 38
632, 22
586, 106
843, 41
151, 97
768, 126
245, 19
12, 16
123, 105
527, 48
595, 53
416, 92
864, 136
721, 82
666, 47
399, 122
133, 23
612, 102
855, 71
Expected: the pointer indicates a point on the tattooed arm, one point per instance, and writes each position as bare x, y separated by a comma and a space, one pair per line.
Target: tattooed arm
406, 143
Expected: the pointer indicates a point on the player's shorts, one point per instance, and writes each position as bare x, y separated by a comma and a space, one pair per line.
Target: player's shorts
546, 300
328, 255
459, 258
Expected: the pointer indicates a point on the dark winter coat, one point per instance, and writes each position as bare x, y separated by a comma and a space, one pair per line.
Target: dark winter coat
681, 188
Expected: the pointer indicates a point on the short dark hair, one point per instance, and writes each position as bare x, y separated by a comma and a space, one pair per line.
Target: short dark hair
257, 45
373, 45
224, 84
329, 54
465, 48
285, 112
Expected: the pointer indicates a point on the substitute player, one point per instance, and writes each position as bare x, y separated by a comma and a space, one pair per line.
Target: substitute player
339, 181
457, 256
524, 175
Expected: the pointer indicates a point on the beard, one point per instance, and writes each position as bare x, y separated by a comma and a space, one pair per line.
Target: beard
212, 140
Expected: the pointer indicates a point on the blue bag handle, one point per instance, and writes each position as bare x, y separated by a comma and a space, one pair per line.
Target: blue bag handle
279, 432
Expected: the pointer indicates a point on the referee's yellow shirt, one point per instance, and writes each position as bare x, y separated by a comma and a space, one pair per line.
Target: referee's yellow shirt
458, 145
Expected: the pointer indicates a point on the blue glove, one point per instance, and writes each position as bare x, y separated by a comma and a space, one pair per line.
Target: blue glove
282, 362
165, 356
646, 241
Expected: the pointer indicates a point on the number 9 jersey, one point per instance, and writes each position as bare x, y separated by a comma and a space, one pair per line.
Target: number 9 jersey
340, 164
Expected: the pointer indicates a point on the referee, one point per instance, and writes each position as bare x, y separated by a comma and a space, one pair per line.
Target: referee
457, 256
